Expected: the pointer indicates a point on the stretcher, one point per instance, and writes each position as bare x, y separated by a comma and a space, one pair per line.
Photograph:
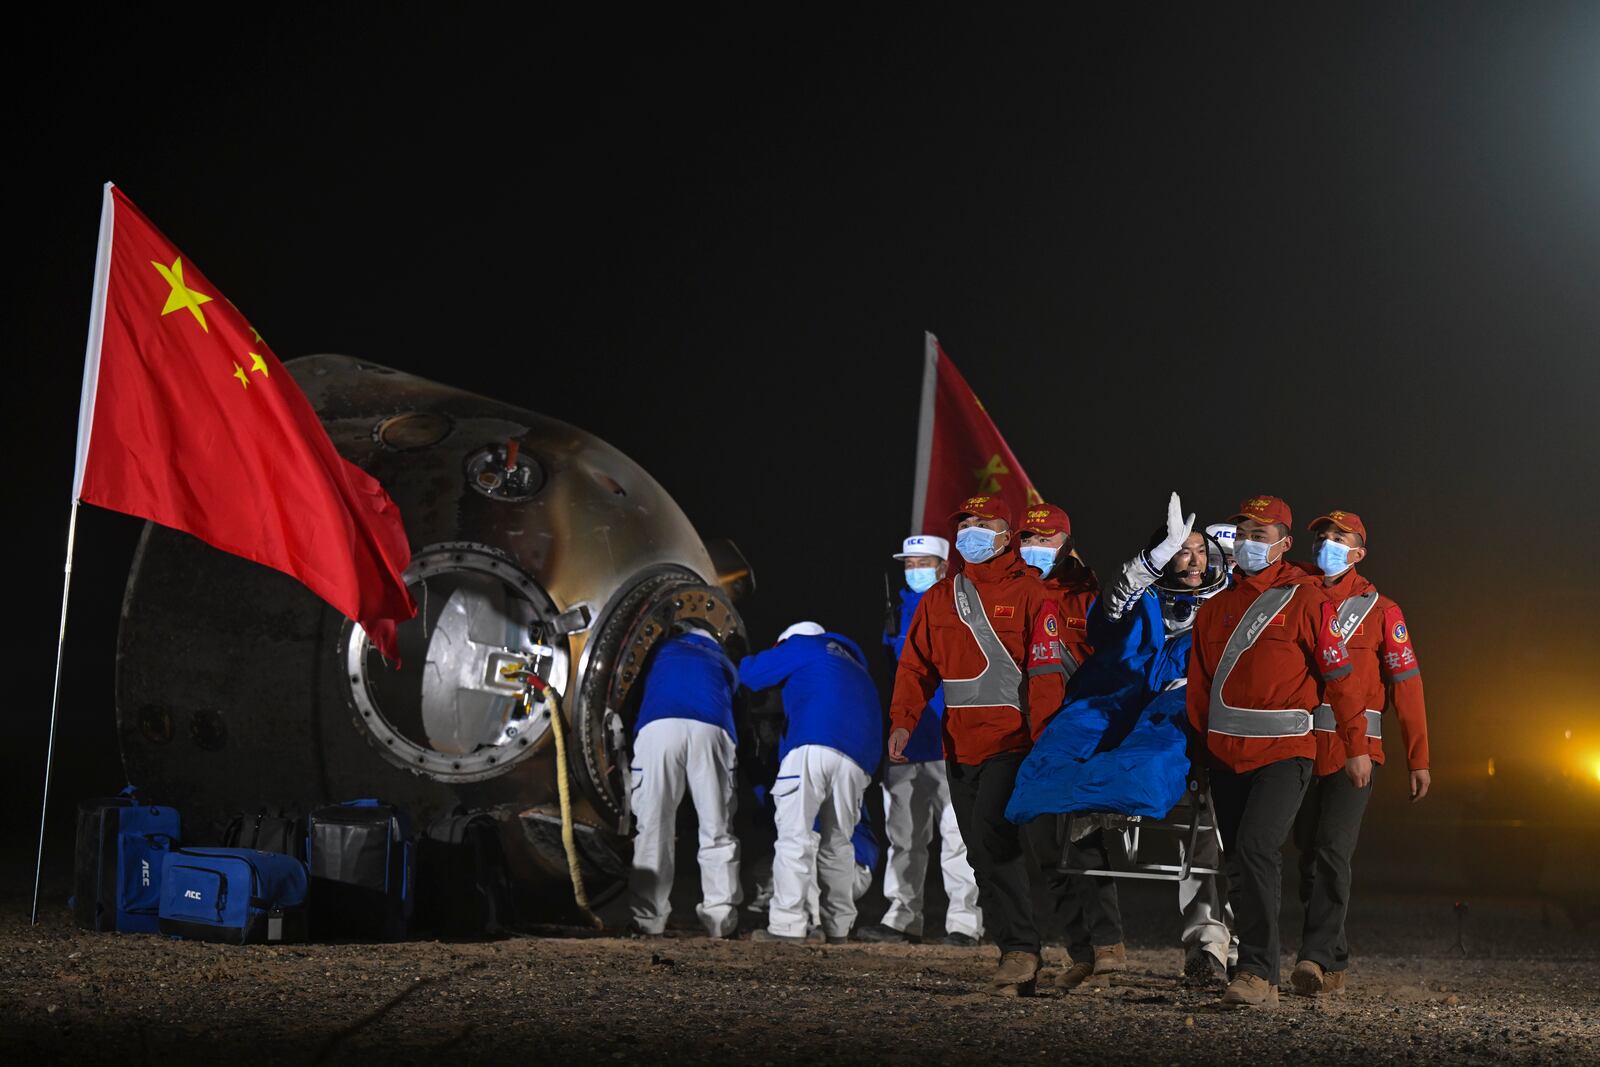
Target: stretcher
1189, 824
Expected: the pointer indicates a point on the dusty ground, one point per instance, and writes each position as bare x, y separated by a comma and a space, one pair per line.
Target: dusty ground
1527, 990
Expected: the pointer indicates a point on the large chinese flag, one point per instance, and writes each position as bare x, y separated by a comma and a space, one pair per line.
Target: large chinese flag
189, 420
960, 453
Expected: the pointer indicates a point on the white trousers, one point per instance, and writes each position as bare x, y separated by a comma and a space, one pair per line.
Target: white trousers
669, 757
815, 783
916, 804
1207, 916
858, 889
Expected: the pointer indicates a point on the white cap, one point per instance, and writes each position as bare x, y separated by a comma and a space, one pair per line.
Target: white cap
1224, 532
924, 545
803, 629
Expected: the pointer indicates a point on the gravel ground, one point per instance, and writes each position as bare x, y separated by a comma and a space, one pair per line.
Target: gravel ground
1526, 989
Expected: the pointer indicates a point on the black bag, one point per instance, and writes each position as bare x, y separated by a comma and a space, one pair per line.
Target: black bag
463, 883
117, 866
266, 833
362, 862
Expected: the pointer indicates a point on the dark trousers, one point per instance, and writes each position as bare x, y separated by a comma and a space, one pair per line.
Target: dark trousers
979, 794
1325, 833
1256, 811
1087, 907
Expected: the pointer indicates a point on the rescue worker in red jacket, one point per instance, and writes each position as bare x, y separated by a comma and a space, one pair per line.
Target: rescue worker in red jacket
1088, 906
991, 635
1385, 669
1253, 684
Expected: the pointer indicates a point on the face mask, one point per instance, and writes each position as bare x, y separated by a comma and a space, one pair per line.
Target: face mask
1040, 557
1252, 556
976, 544
1333, 558
921, 579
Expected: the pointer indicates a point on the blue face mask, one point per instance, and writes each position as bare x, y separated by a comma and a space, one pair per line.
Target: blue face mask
1040, 557
1333, 558
976, 544
921, 579
1253, 556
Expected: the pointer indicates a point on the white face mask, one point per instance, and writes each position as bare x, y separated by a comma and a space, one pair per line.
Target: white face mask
1253, 557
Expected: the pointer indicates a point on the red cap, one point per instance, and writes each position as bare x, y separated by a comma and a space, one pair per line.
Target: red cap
984, 507
1348, 521
1264, 509
1046, 519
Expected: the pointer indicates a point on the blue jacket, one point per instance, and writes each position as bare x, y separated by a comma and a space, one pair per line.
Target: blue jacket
927, 742
690, 678
828, 696
1119, 742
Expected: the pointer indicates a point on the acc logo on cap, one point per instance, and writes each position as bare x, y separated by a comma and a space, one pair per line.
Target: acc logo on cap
1400, 633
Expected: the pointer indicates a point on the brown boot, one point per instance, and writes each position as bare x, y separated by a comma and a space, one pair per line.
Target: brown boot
1250, 991
1108, 958
1333, 982
1075, 975
1017, 975
1308, 979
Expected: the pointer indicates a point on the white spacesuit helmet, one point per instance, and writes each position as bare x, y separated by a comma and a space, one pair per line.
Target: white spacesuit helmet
1224, 533
1180, 602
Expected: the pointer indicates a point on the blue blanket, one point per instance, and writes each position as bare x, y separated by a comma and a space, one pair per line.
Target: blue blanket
1119, 742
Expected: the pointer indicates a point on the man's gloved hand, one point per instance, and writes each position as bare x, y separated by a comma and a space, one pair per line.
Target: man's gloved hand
1178, 530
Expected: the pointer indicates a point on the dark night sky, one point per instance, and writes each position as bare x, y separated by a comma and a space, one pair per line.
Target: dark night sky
1348, 256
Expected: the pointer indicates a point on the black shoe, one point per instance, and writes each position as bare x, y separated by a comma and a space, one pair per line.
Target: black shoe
959, 940
882, 934
839, 940
1201, 968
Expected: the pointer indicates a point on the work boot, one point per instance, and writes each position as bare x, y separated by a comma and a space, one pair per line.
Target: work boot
1308, 979
1109, 958
1075, 975
1201, 968
883, 934
1333, 981
1017, 975
1250, 991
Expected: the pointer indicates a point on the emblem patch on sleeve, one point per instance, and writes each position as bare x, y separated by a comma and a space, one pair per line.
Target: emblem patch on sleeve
1050, 625
1400, 633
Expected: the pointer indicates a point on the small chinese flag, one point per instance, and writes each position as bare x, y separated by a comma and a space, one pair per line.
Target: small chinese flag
189, 420
960, 453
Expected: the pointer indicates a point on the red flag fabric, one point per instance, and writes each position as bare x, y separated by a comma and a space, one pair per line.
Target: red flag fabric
960, 453
189, 420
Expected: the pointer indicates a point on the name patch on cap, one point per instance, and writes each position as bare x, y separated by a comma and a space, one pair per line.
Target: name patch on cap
1005, 611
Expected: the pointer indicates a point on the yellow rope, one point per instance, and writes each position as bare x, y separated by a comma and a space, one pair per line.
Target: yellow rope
563, 790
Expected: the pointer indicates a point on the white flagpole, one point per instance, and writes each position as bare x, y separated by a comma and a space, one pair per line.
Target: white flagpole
91, 383
930, 382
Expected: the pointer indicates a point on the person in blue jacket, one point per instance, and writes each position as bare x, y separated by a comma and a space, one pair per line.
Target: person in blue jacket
1120, 741
916, 794
684, 740
831, 746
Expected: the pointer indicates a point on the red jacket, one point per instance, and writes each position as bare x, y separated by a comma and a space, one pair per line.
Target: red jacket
1073, 587
1281, 670
939, 645
1380, 653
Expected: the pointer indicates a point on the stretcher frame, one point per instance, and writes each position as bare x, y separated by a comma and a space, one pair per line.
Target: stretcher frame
1191, 817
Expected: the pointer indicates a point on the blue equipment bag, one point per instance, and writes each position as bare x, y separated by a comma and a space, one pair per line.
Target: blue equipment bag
237, 895
117, 870
363, 863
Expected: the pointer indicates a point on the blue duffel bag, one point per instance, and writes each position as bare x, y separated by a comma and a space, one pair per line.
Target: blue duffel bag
117, 872
236, 895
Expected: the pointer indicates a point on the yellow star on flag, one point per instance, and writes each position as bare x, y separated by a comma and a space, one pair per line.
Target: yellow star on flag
238, 372
259, 364
182, 296
989, 474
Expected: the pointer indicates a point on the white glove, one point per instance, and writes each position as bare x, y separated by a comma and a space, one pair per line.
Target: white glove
1178, 530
